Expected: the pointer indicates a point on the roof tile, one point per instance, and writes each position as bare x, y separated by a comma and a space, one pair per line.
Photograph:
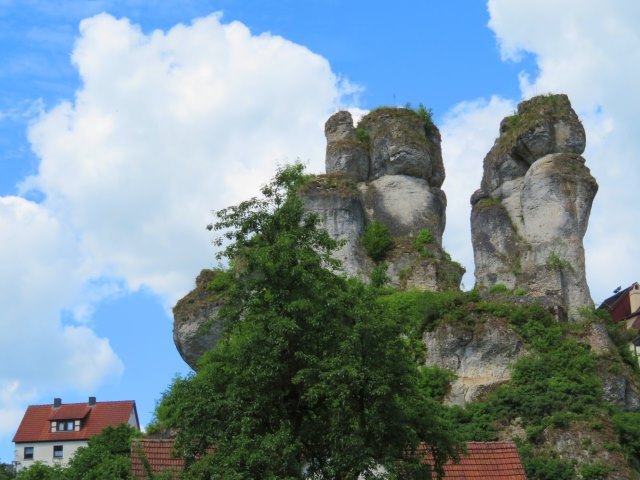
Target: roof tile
36, 423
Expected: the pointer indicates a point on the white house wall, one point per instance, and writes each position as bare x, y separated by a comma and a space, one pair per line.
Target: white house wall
43, 452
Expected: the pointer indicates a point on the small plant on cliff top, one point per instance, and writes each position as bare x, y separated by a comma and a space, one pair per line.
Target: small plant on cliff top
377, 240
425, 114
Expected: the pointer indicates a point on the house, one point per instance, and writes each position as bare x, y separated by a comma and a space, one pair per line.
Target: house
52, 433
483, 460
624, 306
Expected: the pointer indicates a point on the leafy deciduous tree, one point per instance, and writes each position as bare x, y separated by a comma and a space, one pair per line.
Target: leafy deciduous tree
310, 380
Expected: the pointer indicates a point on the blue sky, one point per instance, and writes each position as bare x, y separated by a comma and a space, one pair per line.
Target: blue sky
123, 124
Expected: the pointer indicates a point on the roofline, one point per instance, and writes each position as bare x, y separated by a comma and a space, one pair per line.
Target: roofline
81, 403
86, 439
135, 410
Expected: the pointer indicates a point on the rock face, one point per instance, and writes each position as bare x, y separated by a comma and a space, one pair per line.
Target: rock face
532, 210
389, 169
481, 358
195, 328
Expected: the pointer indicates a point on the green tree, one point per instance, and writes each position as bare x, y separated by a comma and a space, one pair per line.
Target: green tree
108, 455
40, 471
311, 379
6, 472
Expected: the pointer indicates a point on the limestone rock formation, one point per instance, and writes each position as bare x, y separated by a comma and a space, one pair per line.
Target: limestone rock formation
481, 358
531, 212
195, 328
389, 169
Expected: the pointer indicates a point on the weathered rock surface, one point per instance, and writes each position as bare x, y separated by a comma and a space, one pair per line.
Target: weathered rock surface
585, 445
394, 163
195, 328
336, 201
481, 356
531, 213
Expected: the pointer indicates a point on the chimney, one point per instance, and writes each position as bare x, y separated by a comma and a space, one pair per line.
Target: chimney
57, 402
92, 401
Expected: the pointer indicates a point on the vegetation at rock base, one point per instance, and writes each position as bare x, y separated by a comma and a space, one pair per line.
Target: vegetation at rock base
311, 375
556, 388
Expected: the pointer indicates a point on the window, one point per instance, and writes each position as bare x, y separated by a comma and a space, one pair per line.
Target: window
28, 453
57, 451
65, 426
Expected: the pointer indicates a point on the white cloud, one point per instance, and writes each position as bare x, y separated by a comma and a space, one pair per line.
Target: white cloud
468, 132
591, 51
41, 277
169, 126
165, 128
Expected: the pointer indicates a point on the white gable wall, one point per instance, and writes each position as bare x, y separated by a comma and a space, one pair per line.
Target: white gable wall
43, 452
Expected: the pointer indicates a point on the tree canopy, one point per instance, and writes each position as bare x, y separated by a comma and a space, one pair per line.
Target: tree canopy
310, 379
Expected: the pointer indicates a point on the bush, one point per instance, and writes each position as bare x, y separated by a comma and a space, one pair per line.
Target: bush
499, 288
378, 276
424, 238
377, 240
221, 282
594, 471
362, 135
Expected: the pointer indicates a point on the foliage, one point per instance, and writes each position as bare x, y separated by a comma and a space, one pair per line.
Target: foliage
106, 456
594, 471
378, 277
499, 288
622, 338
221, 281
362, 135
6, 472
377, 240
310, 374
554, 262
435, 382
546, 466
417, 311
424, 238
425, 114
40, 471
627, 425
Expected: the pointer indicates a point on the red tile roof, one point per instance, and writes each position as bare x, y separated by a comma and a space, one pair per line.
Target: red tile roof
485, 461
158, 453
72, 411
36, 423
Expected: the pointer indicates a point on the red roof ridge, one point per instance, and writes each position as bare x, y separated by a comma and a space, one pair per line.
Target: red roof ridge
80, 403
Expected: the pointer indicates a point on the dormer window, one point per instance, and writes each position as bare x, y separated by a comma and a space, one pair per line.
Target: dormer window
65, 426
